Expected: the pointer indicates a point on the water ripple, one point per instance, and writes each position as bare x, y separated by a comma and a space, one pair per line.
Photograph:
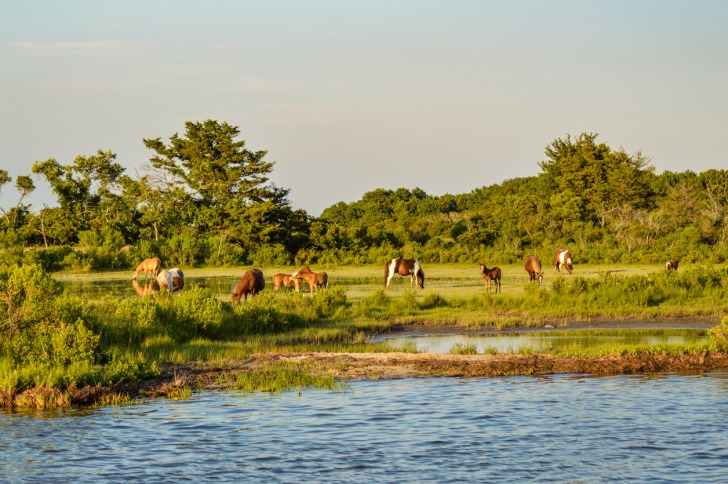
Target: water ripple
670, 428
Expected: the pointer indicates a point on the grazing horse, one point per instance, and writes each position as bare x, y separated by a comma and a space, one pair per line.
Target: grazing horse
251, 283
153, 265
148, 288
172, 280
563, 258
284, 280
492, 274
671, 265
533, 267
316, 280
404, 267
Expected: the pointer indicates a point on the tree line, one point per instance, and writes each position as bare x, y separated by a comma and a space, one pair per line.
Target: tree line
206, 199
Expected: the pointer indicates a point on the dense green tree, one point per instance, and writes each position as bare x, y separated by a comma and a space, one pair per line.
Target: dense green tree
16, 217
225, 184
601, 177
88, 194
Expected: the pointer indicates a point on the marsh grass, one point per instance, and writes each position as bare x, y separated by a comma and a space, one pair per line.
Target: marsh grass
134, 335
463, 349
281, 376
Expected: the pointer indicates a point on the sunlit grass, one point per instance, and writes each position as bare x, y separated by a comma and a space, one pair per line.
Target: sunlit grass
200, 325
282, 376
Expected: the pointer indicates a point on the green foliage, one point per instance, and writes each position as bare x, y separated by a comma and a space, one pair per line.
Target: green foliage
206, 199
433, 300
720, 334
129, 366
43, 329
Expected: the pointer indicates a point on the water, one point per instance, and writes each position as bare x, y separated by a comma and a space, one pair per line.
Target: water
221, 286
666, 427
544, 341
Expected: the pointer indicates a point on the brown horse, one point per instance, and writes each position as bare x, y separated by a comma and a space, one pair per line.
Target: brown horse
251, 283
533, 267
671, 265
563, 258
492, 274
172, 280
153, 266
404, 267
316, 280
284, 280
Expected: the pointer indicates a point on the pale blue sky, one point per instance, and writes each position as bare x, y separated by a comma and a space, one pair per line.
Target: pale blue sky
350, 96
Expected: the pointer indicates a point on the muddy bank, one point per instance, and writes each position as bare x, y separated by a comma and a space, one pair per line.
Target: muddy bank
357, 366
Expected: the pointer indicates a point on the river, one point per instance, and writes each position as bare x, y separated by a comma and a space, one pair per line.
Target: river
565, 428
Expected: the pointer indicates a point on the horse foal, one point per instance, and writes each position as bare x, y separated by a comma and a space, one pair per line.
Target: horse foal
493, 274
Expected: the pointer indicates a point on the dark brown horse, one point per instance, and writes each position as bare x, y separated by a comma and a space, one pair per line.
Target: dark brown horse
404, 267
316, 280
284, 280
563, 258
533, 267
493, 274
251, 283
172, 280
153, 266
671, 265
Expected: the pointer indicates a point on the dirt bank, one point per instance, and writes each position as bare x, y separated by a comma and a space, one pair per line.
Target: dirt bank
357, 366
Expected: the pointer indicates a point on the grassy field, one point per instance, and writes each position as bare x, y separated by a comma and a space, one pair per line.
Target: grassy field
126, 338
447, 280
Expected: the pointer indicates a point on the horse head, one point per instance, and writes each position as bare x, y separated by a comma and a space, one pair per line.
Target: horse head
419, 274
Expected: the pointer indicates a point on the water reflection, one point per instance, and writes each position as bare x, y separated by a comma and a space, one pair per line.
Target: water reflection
146, 288
544, 341
220, 286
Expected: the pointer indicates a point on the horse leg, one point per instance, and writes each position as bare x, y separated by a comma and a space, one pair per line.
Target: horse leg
390, 275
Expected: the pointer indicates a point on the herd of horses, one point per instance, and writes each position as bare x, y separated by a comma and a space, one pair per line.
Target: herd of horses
253, 281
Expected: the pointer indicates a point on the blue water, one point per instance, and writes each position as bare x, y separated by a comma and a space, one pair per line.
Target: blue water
666, 427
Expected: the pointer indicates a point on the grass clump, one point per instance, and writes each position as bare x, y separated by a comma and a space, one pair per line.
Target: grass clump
463, 349
281, 376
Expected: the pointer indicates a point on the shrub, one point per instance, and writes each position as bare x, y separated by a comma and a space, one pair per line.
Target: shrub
719, 334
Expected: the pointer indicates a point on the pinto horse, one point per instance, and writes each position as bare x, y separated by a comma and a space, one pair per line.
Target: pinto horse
404, 267
671, 265
316, 280
251, 283
492, 274
172, 280
533, 267
284, 280
563, 258
153, 265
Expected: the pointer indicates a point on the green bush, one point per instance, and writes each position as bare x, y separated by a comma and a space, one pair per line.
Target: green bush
43, 328
719, 334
